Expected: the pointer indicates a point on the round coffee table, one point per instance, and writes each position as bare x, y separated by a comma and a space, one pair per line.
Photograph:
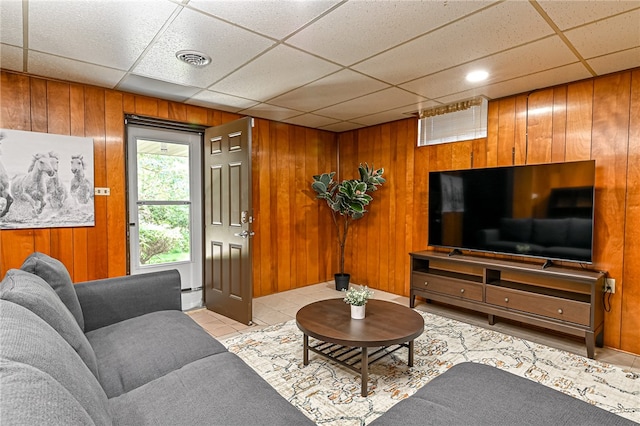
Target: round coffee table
387, 326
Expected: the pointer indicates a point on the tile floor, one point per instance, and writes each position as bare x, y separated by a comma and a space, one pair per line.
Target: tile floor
281, 307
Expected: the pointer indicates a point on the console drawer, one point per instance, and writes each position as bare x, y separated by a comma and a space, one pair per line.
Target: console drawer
448, 286
548, 306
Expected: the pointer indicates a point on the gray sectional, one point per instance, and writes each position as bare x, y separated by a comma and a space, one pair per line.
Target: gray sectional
118, 351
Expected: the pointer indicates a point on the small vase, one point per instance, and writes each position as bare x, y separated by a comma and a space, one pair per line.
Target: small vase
357, 312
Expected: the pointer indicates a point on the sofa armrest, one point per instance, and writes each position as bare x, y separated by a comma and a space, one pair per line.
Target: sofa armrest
112, 300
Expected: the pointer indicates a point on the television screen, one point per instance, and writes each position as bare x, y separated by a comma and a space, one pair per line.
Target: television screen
541, 210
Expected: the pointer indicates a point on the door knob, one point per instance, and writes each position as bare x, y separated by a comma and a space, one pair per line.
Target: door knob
244, 234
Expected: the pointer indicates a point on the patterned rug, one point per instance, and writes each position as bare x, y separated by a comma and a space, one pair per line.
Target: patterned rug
329, 394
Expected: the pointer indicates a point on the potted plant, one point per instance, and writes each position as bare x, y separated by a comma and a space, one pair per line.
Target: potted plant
357, 298
347, 201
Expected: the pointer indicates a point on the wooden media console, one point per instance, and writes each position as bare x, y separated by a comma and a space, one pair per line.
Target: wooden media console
557, 298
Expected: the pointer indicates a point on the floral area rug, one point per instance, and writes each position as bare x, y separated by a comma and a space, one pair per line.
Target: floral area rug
329, 394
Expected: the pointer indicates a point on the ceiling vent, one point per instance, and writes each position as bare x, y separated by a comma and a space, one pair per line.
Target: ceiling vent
459, 121
192, 57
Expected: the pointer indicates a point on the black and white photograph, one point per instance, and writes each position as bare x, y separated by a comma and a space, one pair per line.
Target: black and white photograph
46, 180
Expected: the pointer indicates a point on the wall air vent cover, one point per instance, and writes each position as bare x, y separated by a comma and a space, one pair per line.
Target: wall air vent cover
459, 121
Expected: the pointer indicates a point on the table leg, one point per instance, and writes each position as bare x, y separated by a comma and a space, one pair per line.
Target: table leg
364, 371
305, 350
410, 363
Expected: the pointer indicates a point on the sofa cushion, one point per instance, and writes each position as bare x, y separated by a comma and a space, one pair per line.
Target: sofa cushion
220, 389
550, 232
27, 339
515, 229
136, 351
56, 275
579, 234
32, 397
478, 394
32, 292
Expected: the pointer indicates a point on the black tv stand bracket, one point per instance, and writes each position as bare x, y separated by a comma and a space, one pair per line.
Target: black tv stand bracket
556, 298
548, 263
454, 252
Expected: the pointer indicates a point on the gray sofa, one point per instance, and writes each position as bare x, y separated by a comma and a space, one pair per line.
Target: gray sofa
553, 238
478, 394
118, 351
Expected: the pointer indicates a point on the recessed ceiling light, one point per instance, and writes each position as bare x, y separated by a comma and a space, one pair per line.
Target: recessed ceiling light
192, 57
476, 76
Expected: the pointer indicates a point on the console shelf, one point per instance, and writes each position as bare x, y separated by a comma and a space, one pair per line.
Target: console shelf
557, 298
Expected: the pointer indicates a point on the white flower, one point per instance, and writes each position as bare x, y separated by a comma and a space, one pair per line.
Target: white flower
358, 297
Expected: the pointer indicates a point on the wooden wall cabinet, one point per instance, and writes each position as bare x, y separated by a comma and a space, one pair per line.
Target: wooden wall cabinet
557, 298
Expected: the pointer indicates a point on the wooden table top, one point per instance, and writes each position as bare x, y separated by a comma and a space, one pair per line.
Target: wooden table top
385, 323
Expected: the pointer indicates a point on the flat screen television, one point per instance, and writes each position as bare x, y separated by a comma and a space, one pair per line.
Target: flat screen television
543, 210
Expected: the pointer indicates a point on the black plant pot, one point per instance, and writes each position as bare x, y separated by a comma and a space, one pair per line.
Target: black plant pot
342, 281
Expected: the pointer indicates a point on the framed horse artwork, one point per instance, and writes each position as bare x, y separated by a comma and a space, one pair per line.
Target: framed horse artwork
46, 180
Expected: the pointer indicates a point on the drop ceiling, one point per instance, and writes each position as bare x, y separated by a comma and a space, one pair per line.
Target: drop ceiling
328, 64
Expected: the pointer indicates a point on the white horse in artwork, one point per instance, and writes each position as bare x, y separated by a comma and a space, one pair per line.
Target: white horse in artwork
56, 192
32, 186
81, 187
4, 188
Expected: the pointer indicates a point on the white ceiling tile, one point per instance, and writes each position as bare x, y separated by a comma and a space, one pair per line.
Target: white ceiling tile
610, 35
547, 78
207, 98
160, 89
569, 14
108, 33
274, 18
624, 60
387, 116
359, 29
277, 71
70, 70
495, 29
371, 104
228, 46
342, 126
335, 88
11, 22
270, 112
310, 120
11, 57
548, 53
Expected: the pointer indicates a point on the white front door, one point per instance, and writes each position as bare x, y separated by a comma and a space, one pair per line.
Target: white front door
165, 206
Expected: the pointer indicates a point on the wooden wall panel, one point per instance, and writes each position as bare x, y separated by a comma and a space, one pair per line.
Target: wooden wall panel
579, 120
610, 139
540, 127
630, 299
506, 131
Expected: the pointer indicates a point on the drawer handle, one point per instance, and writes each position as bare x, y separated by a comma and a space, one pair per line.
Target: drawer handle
426, 283
462, 290
506, 299
560, 311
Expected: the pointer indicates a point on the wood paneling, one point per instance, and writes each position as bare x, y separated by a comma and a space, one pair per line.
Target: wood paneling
630, 298
294, 241
592, 119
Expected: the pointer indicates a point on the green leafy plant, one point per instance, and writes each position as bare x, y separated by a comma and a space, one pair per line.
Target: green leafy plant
358, 297
347, 199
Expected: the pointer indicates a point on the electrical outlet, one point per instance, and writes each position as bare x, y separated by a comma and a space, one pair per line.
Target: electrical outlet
610, 285
102, 191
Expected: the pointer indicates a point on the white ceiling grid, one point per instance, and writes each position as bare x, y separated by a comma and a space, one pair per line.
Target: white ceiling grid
329, 64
